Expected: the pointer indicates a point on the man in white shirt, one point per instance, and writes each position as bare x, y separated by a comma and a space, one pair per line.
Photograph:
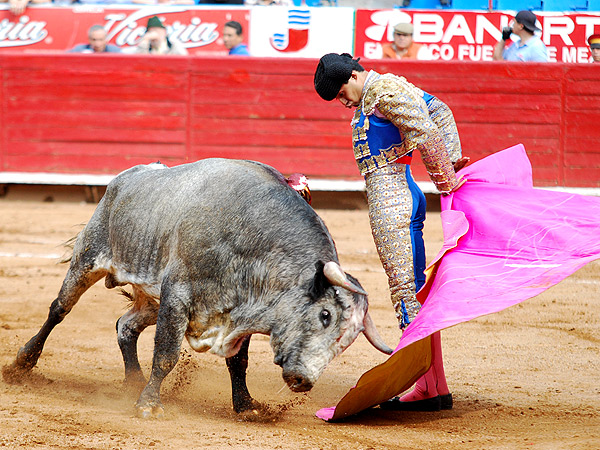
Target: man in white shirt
529, 47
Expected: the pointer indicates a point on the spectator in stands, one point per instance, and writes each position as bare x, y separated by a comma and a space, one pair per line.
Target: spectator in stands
233, 37
403, 46
156, 42
162, 2
17, 7
221, 2
529, 47
594, 41
98, 42
269, 2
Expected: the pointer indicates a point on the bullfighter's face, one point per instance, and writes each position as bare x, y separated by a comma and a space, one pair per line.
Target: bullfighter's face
351, 92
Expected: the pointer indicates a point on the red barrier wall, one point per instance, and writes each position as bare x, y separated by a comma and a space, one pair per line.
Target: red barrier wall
100, 114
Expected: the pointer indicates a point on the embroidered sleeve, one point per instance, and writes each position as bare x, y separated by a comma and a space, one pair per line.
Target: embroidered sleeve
438, 164
402, 104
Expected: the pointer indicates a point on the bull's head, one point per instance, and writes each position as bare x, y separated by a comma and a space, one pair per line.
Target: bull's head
331, 314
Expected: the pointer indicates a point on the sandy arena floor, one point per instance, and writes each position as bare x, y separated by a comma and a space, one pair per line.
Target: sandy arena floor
525, 378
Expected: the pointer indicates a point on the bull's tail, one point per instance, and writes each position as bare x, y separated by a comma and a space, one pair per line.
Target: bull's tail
69, 244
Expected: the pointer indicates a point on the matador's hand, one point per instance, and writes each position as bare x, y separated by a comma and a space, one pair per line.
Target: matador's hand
461, 181
462, 162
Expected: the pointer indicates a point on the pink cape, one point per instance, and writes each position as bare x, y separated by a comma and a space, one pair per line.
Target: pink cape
504, 242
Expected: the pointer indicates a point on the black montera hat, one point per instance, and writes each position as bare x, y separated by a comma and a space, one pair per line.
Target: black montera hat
527, 19
334, 70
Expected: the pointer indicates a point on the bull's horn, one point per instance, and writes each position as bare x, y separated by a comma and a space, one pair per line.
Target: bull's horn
336, 276
373, 336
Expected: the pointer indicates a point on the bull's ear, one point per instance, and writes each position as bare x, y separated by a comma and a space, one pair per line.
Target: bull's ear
319, 283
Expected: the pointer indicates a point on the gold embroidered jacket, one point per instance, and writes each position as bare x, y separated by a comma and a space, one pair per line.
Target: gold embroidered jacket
391, 98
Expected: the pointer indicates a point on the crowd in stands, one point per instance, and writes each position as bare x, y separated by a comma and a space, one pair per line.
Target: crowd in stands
156, 42
17, 7
519, 42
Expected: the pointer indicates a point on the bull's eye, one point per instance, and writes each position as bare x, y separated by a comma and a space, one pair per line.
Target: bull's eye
325, 318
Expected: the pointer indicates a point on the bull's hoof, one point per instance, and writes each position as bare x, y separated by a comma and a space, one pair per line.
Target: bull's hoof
258, 413
26, 358
248, 404
150, 412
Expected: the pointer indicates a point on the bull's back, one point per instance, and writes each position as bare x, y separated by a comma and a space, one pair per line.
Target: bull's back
205, 217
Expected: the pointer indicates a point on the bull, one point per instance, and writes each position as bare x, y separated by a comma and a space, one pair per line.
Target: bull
214, 251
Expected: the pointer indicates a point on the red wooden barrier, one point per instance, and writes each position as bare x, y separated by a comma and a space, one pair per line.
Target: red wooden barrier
97, 114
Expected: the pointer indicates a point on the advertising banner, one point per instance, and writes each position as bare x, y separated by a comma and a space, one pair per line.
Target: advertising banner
472, 35
306, 32
301, 32
52, 29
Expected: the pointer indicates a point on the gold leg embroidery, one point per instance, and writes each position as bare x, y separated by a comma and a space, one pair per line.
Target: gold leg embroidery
390, 210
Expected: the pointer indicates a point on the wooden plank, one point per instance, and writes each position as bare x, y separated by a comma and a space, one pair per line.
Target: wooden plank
543, 176
583, 87
310, 153
495, 102
81, 163
328, 112
587, 103
18, 79
151, 151
148, 108
509, 130
290, 127
173, 93
442, 86
105, 120
290, 82
286, 162
583, 158
99, 63
280, 139
582, 124
480, 114
249, 95
60, 134
583, 177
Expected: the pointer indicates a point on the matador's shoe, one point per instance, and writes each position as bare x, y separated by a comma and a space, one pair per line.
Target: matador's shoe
436, 403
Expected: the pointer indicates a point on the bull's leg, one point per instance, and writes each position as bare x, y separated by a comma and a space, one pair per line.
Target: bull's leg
74, 285
171, 324
129, 326
237, 365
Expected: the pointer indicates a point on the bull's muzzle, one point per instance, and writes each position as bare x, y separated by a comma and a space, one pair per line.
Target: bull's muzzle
297, 382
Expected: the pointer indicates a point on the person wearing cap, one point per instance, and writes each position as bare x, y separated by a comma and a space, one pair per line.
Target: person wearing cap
529, 47
156, 42
594, 42
392, 119
403, 46
233, 38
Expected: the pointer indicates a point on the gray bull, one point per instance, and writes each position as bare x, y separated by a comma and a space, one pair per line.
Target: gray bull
215, 251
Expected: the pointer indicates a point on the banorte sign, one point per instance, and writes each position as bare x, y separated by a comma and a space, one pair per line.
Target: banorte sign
471, 35
59, 29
